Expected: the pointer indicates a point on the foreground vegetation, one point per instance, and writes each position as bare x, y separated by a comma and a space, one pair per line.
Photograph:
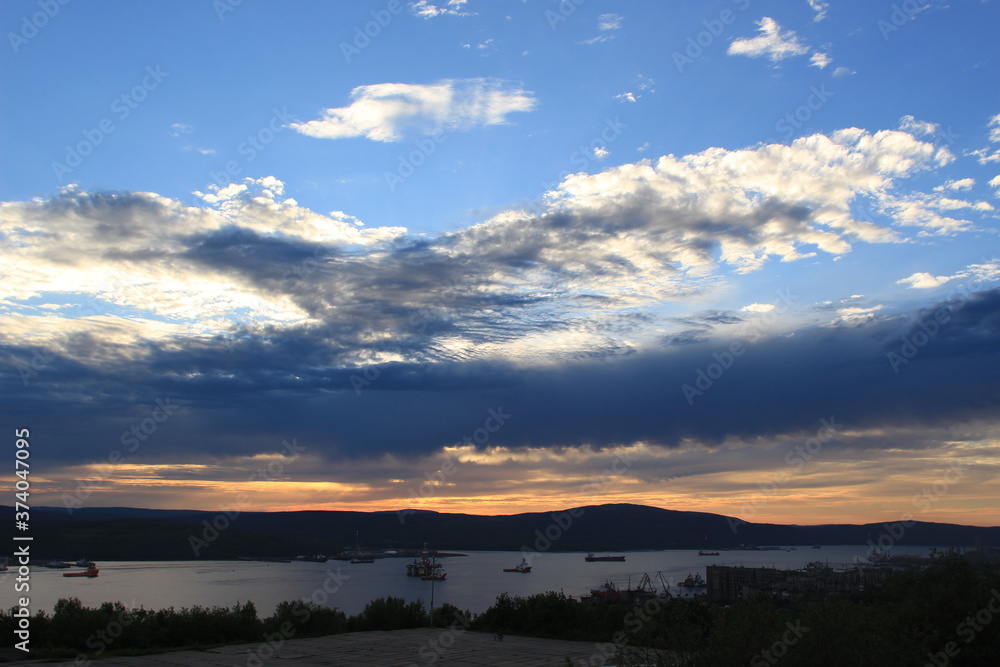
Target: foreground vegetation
948, 614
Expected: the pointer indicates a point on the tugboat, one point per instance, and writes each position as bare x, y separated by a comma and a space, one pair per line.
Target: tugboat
425, 566
591, 558
90, 572
693, 581
521, 567
436, 576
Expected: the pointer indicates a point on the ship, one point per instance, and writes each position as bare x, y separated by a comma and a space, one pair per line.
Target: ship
90, 572
693, 581
436, 576
425, 566
521, 567
57, 565
606, 592
708, 553
358, 556
313, 558
591, 558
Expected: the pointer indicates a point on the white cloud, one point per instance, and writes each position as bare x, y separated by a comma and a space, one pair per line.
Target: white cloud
180, 129
960, 184
599, 246
625, 97
390, 111
609, 21
843, 71
425, 10
923, 280
773, 42
820, 8
855, 316
983, 155
994, 126
986, 271
601, 153
918, 127
758, 308
820, 60
606, 24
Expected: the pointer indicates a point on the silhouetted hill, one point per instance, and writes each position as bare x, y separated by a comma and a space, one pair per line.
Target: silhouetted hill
133, 533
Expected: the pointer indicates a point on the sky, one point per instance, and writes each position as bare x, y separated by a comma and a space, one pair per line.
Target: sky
496, 256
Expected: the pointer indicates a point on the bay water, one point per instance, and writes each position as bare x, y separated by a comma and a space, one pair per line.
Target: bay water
474, 580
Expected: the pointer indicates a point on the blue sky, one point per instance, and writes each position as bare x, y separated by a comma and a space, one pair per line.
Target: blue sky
248, 206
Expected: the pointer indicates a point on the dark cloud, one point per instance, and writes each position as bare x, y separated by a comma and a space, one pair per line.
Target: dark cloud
284, 384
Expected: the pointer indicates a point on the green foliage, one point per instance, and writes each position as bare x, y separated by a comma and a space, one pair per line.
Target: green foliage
912, 617
390, 614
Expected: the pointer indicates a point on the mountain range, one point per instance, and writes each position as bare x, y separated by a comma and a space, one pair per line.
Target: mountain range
121, 533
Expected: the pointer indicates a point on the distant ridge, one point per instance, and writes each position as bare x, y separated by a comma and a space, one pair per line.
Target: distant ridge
124, 533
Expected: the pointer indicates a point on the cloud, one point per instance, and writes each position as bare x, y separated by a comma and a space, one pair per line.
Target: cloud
180, 129
918, 127
923, 280
983, 155
625, 97
606, 24
956, 184
609, 21
425, 10
260, 316
391, 111
820, 8
819, 60
981, 273
773, 42
843, 71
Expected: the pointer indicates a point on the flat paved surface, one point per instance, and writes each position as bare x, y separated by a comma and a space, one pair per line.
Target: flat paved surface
440, 647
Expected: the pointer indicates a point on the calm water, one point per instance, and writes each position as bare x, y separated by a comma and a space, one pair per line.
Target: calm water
473, 583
